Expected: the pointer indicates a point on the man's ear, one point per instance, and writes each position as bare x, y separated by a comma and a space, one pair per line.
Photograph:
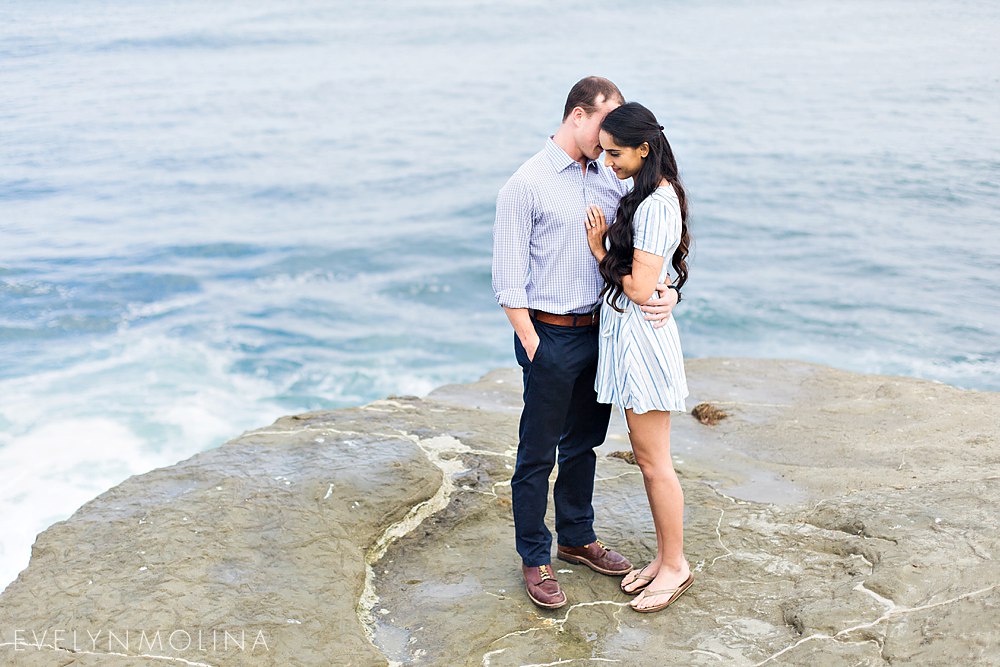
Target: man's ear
578, 115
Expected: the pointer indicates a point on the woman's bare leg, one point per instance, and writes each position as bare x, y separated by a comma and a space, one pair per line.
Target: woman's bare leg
650, 436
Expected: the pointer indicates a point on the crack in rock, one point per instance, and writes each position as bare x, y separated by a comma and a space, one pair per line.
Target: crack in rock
387, 405
893, 610
700, 566
434, 449
708, 653
557, 624
871, 565
569, 661
624, 474
326, 430
884, 601
489, 654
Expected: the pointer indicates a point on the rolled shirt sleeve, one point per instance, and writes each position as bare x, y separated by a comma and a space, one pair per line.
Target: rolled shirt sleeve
512, 244
541, 258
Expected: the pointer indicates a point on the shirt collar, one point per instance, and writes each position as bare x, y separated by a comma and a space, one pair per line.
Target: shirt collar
560, 159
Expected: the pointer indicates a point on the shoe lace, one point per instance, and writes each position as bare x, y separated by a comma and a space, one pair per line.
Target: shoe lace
603, 545
544, 573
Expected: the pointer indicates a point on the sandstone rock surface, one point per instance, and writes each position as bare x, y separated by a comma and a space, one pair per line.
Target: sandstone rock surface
832, 518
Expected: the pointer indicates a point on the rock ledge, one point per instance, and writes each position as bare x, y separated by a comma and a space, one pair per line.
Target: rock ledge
832, 518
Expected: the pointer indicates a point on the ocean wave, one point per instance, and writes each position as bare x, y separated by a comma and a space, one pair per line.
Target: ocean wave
202, 41
24, 188
138, 402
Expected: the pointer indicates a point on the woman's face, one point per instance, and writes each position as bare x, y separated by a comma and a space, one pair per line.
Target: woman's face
623, 160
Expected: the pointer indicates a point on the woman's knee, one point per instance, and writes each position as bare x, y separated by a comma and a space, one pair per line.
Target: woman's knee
656, 469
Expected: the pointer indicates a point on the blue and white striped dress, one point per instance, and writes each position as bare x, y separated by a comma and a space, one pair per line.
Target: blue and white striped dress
641, 368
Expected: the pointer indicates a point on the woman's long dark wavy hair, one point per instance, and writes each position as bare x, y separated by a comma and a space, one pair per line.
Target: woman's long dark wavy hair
632, 125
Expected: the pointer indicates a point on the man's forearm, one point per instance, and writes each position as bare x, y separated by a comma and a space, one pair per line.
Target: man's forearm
523, 326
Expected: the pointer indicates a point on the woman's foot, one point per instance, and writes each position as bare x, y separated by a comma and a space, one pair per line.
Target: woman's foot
667, 586
636, 580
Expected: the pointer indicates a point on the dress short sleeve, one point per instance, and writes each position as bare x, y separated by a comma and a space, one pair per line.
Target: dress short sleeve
657, 224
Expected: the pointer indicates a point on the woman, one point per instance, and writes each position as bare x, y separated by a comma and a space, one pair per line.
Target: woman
641, 368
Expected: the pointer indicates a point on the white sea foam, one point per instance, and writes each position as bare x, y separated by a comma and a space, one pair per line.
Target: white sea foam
306, 279
74, 432
137, 401
54, 468
140, 311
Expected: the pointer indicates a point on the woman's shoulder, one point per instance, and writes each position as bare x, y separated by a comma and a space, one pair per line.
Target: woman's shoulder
661, 198
665, 194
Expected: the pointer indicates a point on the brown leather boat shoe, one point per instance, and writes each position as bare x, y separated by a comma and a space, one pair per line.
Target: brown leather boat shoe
542, 587
598, 557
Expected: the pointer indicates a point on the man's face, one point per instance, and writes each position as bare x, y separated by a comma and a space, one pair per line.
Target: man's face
589, 128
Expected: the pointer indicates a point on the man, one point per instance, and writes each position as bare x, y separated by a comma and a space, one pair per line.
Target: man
548, 283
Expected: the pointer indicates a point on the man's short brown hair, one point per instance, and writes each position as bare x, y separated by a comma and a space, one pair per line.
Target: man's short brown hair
585, 94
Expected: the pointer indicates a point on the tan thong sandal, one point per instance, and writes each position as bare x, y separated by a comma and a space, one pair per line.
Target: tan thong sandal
675, 593
639, 576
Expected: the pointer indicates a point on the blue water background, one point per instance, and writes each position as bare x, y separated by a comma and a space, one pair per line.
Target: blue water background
211, 216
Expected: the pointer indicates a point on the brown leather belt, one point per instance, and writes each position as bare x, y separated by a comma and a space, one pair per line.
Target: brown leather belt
584, 320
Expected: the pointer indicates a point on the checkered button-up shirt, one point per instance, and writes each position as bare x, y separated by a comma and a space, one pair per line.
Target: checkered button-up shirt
541, 259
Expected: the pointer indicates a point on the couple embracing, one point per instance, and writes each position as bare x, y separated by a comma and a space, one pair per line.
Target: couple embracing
581, 265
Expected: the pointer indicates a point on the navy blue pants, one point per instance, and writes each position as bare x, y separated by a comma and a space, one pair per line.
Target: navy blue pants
561, 414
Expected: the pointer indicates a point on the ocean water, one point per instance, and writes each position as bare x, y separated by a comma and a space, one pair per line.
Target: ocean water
211, 216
